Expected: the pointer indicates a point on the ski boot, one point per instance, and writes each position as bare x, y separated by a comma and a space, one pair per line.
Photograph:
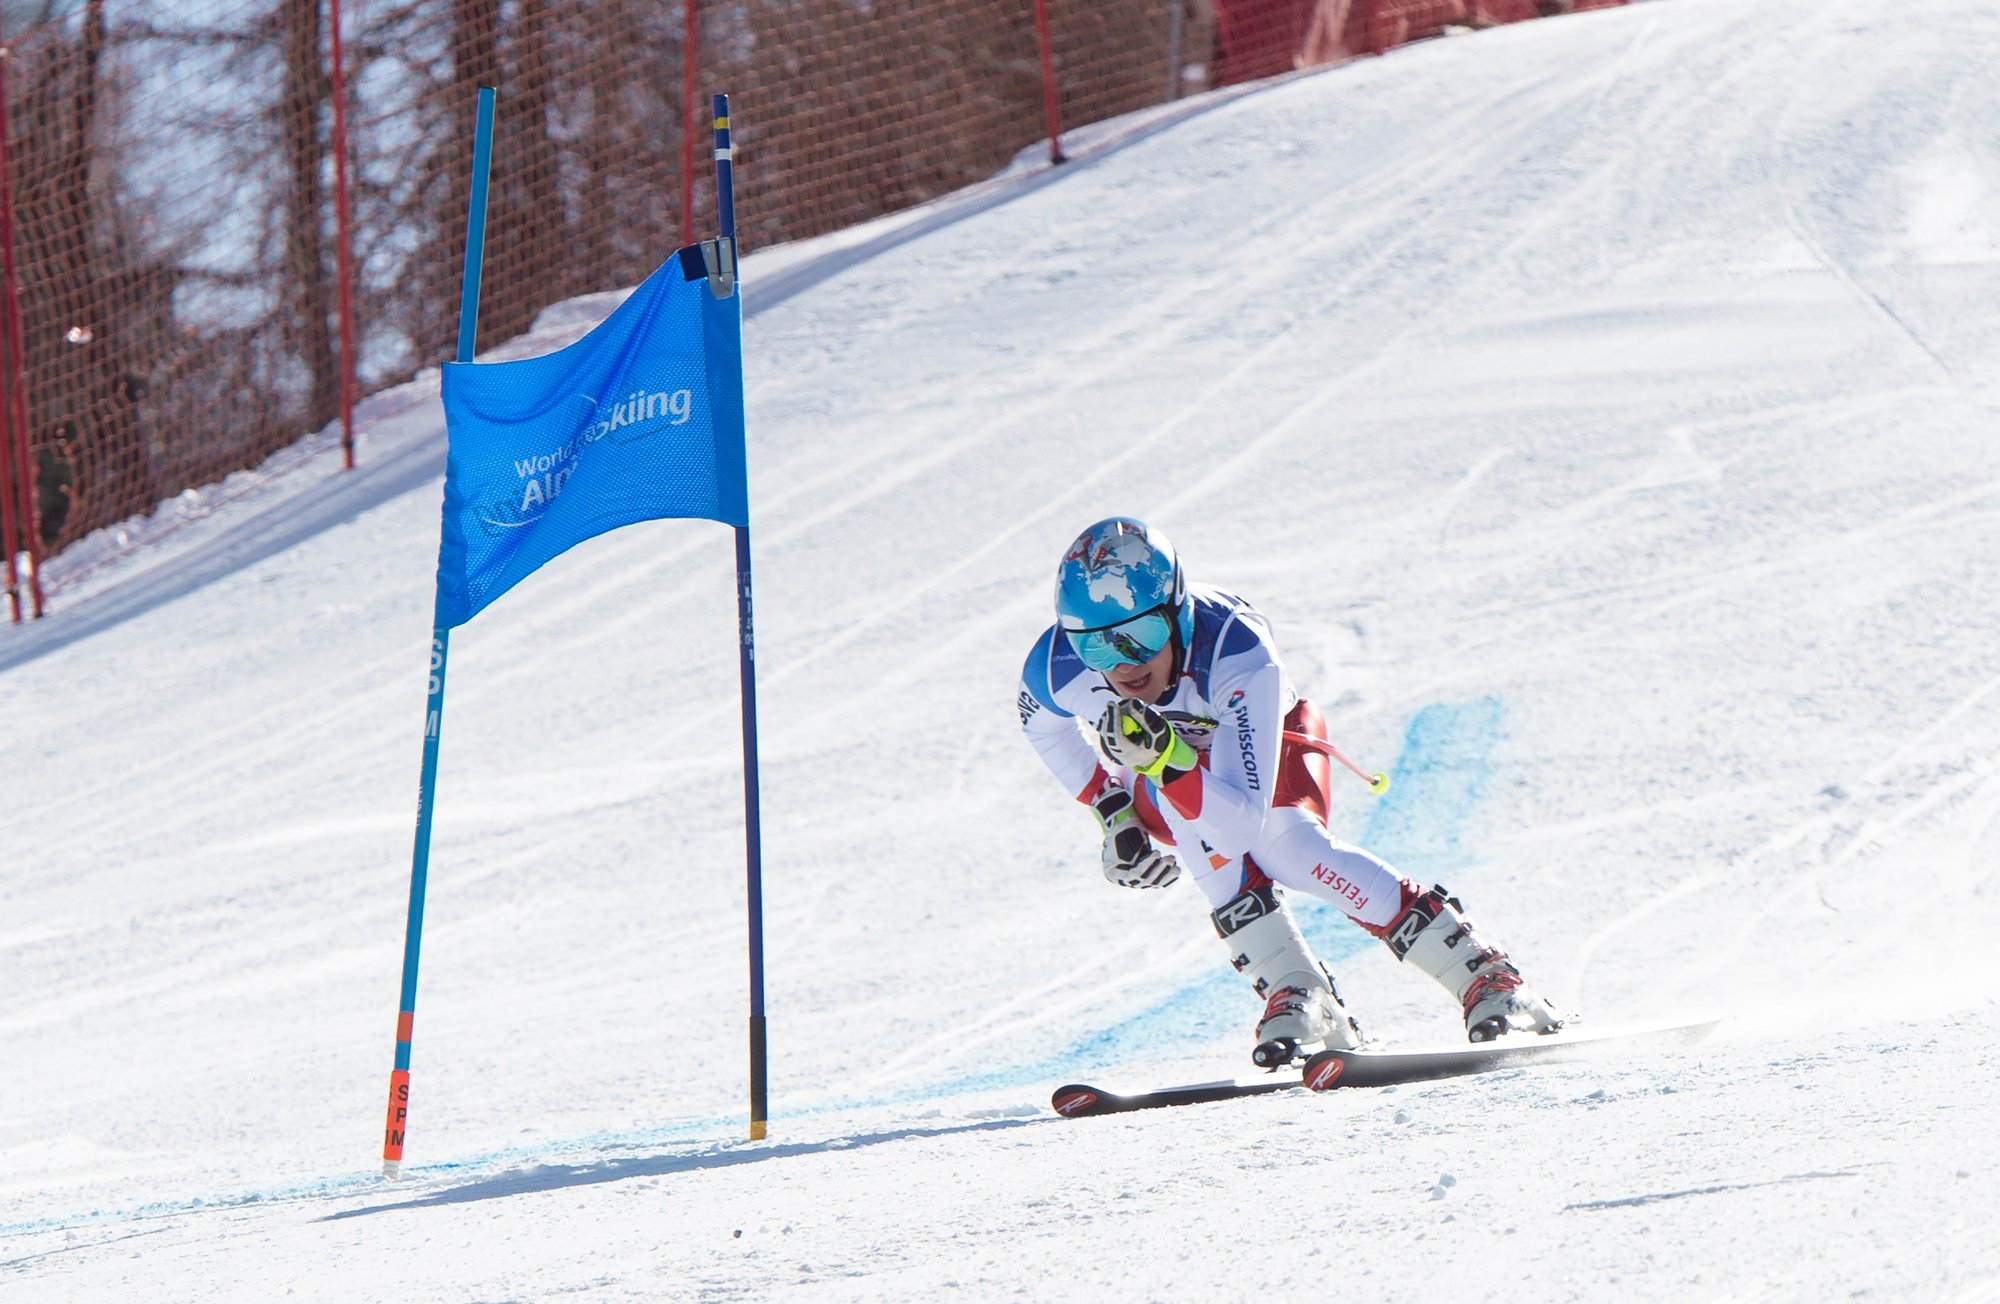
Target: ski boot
1434, 935
1302, 1008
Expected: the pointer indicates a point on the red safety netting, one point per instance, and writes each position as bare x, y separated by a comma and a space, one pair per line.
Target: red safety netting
219, 234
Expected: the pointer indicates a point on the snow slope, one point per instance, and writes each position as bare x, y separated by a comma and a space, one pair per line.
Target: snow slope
1604, 411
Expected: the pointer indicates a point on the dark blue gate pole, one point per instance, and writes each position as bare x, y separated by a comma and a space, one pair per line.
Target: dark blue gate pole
420, 857
725, 203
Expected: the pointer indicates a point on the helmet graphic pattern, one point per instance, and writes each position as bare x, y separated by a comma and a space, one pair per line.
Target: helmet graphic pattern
1117, 569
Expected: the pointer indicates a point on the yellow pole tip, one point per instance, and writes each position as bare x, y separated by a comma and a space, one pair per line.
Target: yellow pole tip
1379, 784
757, 1130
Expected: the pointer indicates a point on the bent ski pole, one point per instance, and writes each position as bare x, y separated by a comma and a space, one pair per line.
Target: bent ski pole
1377, 783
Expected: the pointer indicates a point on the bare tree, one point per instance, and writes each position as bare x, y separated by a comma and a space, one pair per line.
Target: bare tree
83, 380
300, 115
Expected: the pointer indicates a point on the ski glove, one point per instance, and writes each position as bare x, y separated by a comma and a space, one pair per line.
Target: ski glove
1139, 738
1130, 858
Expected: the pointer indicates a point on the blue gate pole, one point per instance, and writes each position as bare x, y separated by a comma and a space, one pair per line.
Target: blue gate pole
396, 1125
725, 204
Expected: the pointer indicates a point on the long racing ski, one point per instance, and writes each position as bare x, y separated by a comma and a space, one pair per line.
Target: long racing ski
1380, 1068
1076, 1099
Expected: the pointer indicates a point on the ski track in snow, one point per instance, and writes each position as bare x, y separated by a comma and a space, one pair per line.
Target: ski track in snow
1601, 410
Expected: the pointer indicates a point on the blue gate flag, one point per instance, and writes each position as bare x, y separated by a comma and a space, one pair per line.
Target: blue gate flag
640, 419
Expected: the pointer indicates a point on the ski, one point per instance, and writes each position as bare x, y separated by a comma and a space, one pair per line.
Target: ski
1381, 1068
1077, 1100
1332, 1069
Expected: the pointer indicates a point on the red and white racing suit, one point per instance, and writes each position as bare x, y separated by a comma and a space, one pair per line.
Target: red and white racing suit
1256, 806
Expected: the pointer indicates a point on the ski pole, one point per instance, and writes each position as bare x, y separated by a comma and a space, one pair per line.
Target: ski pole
1377, 783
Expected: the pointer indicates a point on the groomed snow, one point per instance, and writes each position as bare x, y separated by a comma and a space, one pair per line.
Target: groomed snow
1604, 411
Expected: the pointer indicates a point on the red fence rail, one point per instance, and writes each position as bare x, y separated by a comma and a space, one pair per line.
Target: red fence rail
226, 219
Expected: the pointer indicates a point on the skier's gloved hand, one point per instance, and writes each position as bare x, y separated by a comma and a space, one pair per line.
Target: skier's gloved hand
1130, 858
1139, 738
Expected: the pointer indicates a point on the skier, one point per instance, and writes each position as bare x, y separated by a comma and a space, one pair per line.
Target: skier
1212, 753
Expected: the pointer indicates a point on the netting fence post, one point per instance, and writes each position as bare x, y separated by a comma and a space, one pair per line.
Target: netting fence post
1049, 82
21, 530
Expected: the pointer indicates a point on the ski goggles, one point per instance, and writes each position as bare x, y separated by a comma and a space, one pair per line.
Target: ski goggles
1127, 643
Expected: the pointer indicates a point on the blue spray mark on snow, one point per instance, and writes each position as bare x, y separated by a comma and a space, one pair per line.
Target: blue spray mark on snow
1439, 779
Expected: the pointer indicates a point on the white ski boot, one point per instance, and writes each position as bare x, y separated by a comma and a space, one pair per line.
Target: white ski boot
1302, 1007
1436, 937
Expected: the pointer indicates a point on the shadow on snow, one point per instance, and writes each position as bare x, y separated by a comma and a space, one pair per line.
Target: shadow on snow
556, 1177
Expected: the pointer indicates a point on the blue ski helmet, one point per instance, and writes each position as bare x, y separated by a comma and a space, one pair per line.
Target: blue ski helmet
1121, 594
